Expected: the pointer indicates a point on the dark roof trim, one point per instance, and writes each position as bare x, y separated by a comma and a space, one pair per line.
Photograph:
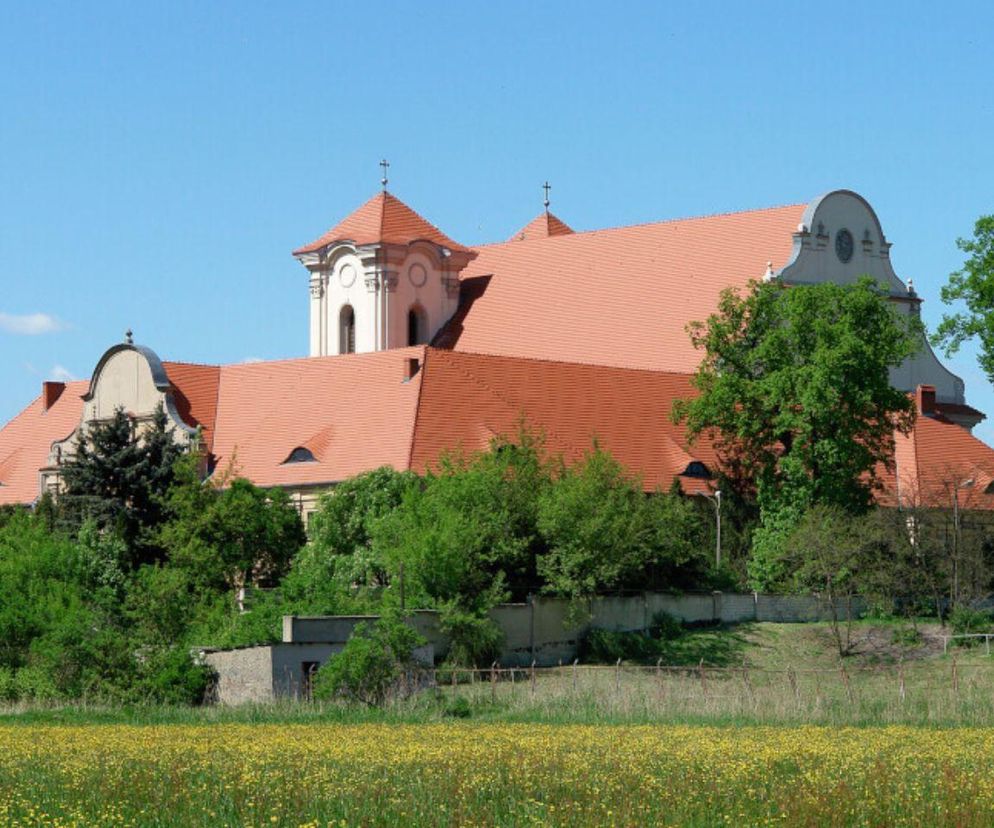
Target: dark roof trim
159, 376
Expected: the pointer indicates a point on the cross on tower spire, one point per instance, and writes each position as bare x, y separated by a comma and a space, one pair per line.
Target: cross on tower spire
546, 186
384, 164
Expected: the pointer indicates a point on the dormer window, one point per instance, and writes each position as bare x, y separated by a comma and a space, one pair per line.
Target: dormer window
301, 455
695, 468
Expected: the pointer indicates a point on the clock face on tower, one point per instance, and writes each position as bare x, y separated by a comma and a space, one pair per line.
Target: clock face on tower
843, 245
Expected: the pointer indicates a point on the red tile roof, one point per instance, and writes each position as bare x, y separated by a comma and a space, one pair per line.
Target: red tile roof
542, 226
620, 297
353, 412
467, 399
195, 390
27, 439
938, 457
384, 218
357, 412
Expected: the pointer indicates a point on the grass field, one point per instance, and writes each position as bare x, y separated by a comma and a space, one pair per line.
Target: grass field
778, 735
493, 774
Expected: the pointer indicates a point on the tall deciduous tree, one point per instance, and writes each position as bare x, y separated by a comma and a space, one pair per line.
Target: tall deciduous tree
796, 383
974, 286
227, 538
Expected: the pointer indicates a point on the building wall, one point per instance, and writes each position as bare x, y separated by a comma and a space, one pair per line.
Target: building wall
244, 675
381, 284
815, 259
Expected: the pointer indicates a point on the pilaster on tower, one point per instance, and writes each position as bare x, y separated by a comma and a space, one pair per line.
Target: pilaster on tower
382, 278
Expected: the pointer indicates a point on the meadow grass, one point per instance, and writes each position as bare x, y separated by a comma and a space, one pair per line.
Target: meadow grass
884, 743
505, 774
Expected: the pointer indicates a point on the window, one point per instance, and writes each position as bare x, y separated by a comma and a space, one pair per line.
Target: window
307, 672
301, 455
417, 326
695, 468
346, 330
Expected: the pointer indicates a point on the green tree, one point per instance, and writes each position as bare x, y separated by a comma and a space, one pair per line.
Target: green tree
340, 569
974, 286
795, 383
827, 553
232, 537
603, 533
118, 477
372, 663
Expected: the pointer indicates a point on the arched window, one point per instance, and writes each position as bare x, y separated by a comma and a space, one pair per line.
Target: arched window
417, 326
346, 330
301, 454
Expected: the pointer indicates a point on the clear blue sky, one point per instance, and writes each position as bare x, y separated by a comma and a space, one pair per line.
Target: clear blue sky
158, 162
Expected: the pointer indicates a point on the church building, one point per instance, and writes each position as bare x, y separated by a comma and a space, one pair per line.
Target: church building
420, 345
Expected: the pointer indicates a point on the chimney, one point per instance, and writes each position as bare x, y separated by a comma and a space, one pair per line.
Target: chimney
50, 393
925, 400
411, 368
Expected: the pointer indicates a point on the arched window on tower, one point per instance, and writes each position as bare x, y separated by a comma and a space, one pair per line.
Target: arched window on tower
346, 330
417, 326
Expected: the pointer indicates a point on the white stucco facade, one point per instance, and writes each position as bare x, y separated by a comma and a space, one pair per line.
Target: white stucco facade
128, 377
382, 285
839, 240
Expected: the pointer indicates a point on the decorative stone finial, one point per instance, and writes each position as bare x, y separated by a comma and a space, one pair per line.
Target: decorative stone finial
769, 276
546, 186
129, 337
384, 164
911, 288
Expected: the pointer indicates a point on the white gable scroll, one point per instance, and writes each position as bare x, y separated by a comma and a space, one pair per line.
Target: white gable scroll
839, 240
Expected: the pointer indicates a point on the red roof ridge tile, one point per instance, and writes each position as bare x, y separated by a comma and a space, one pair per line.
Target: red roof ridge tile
383, 218
582, 363
642, 224
190, 364
314, 360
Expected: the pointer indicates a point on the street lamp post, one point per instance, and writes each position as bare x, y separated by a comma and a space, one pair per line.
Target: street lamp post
716, 502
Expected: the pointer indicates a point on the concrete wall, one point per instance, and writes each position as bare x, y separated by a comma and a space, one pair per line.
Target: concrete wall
303, 629
244, 675
288, 678
544, 631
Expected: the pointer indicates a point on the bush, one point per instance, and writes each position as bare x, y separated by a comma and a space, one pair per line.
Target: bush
8, 687
665, 627
964, 621
371, 664
474, 639
608, 646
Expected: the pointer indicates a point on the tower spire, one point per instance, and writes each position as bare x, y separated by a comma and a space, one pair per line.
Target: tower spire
384, 164
546, 186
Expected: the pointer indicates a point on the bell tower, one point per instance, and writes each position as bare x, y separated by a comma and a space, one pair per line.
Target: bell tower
382, 278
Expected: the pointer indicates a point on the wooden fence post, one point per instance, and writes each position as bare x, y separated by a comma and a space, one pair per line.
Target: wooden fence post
846, 682
532, 677
792, 678
955, 675
704, 683
575, 662
617, 676
493, 682
901, 689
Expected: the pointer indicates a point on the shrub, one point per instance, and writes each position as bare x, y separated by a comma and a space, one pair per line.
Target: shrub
371, 664
665, 627
610, 646
474, 639
964, 620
